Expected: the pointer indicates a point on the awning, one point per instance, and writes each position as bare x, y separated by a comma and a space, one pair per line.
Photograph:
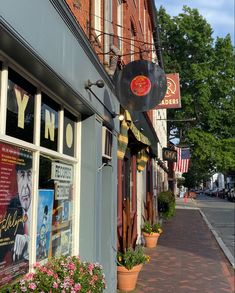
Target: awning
135, 138
143, 121
142, 159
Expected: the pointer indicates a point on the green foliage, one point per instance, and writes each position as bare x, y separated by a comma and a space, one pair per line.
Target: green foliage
155, 228
206, 69
166, 204
61, 274
180, 182
132, 257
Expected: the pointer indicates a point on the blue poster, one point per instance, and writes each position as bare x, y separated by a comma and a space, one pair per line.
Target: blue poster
44, 223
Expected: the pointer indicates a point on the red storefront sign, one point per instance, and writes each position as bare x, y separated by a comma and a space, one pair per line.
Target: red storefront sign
172, 97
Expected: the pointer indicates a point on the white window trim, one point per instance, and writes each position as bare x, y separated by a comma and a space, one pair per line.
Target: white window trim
120, 23
37, 150
3, 98
97, 17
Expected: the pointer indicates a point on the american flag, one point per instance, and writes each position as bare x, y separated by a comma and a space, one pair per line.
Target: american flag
182, 164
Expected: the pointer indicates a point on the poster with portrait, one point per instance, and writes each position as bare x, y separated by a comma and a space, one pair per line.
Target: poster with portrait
15, 211
44, 223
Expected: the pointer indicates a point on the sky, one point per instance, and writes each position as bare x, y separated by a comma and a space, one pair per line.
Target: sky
219, 13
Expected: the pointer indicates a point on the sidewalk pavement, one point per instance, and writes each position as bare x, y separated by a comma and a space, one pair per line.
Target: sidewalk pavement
187, 258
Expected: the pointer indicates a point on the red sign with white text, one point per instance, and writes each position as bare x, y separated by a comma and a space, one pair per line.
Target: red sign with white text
172, 97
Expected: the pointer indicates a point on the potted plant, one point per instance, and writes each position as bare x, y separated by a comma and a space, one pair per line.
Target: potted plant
151, 233
166, 204
129, 264
63, 274
130, 257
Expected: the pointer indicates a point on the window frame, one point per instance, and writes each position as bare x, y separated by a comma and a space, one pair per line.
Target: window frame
37, 150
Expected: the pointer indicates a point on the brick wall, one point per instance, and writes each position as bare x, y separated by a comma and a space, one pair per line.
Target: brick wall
136, 27
80, 9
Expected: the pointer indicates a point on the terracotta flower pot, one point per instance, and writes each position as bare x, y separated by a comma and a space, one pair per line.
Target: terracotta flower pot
151, 239
126, 279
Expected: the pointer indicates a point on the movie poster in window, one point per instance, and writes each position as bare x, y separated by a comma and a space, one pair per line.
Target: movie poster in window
65, 242
15, 211
61, 214
56, 245
44, 224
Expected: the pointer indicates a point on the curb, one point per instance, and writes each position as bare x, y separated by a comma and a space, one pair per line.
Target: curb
224, 248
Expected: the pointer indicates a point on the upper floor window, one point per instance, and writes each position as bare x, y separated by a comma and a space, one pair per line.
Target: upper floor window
120, 23
97, 16
132, 51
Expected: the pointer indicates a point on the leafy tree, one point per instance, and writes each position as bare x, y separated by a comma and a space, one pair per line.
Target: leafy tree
206, 68
180, 181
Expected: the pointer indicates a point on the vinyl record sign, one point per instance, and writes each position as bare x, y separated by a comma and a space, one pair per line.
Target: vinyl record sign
141, 85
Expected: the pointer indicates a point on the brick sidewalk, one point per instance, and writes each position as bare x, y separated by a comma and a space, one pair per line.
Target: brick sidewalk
187, 259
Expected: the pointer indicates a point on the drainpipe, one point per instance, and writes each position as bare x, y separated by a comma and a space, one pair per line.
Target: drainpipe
156, 33
91, 18
107, 16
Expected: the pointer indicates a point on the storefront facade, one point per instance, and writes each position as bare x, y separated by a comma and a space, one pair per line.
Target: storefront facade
52, 161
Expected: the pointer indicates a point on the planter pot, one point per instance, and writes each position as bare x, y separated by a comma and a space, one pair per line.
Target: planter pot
151, 239
126, 279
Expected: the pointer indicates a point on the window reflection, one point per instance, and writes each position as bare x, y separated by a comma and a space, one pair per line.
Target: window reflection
20, 107
55, 205
49, 123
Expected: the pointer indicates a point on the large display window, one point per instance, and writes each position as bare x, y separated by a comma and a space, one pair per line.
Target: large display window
55, 209
37, 162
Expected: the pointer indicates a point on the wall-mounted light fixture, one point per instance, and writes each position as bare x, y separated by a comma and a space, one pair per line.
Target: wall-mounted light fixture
99, 83
120, 116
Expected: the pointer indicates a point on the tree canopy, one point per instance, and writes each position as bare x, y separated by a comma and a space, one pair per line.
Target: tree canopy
206, 69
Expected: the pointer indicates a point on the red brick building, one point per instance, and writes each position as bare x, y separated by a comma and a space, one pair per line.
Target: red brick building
53, 111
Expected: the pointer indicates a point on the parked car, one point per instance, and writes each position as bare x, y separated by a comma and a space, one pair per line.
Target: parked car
216, 191
198, 191
209, 192
231, 195
190, 194
223, 193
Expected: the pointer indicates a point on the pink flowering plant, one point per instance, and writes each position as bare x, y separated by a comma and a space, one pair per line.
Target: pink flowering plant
61, 275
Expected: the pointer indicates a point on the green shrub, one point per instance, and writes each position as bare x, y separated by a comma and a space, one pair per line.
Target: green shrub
166, 204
